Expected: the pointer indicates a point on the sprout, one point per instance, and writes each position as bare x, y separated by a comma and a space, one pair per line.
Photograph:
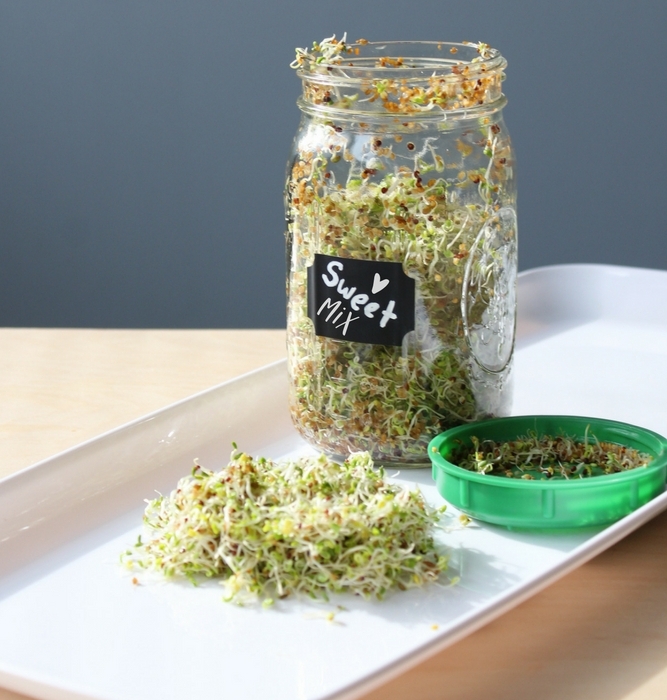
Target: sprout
309, 526
327, 52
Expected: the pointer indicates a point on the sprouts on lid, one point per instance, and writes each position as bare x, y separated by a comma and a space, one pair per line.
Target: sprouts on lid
548, 457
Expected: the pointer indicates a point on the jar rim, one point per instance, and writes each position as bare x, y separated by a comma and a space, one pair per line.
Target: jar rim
415, 61
400, 78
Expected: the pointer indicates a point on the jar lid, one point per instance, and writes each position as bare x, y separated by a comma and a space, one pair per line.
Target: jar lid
550, 503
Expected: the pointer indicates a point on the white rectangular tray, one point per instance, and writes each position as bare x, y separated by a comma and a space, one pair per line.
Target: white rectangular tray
591, 341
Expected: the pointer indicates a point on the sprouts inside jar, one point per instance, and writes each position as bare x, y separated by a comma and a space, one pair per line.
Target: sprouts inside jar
385, 170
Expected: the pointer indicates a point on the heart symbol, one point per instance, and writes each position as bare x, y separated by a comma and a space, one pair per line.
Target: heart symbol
379, 284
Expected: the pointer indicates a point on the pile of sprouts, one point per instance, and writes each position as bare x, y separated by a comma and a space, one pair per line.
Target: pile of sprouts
402, 186
547, 457
306, 526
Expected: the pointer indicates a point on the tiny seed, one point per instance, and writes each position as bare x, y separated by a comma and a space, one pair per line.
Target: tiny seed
411, 146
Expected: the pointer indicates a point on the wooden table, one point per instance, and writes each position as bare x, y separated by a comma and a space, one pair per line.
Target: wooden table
599, 633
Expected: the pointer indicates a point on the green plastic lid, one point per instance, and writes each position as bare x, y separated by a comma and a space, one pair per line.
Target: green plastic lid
548, 504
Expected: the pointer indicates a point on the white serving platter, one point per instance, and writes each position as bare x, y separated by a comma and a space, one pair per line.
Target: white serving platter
591, 341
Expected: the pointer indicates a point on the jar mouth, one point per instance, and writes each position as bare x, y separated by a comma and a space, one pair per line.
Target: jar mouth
411, 60
416, 78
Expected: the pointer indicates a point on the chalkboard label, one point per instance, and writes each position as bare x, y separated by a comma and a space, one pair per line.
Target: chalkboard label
360, 300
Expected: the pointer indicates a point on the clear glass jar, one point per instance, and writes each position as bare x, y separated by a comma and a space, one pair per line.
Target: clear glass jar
401, 246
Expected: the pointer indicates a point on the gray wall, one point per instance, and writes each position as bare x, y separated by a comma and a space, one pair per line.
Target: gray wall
143, 144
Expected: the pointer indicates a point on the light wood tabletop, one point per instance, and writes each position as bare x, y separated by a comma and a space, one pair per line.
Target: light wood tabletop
599, 633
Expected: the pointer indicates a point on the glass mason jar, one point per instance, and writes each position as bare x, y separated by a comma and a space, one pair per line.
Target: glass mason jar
401, 246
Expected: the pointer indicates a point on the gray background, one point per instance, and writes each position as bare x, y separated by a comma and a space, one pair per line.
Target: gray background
143, 144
